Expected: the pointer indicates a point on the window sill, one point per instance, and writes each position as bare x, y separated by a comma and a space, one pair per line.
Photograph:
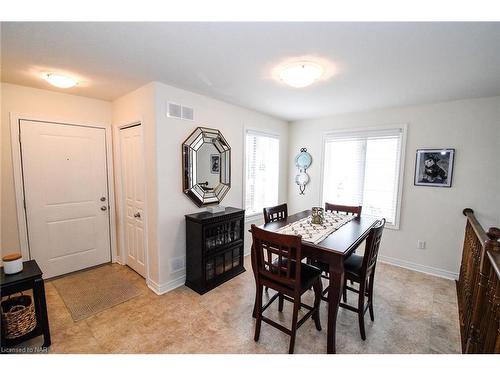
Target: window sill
253, 217
392, 226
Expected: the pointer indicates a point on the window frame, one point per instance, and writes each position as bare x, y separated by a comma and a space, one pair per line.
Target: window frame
262, 133
366, 131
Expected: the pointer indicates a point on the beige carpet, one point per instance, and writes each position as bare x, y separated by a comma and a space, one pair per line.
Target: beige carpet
90, 292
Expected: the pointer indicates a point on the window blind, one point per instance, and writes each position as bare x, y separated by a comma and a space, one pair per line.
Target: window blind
362, 168
262, 172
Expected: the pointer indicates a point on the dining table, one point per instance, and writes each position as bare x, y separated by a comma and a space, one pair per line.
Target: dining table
333, 250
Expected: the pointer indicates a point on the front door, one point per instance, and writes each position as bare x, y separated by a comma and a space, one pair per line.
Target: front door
132, 166
66, 195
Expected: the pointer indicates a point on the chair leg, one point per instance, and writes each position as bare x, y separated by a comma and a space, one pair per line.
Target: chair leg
344, 292
258, 323
280, 302
370, 296
254, 312
317, 300
361, 303
296, 304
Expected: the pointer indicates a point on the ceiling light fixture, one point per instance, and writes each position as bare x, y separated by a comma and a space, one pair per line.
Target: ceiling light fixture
301, 74
60, 81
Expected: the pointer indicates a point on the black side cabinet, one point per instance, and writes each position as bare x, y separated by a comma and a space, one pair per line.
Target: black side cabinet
29, 278
214, 248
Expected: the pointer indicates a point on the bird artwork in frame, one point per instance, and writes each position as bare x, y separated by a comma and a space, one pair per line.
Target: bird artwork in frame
434, 167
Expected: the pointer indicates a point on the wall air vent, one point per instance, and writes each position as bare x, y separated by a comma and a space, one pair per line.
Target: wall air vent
187, 113
180, 111
173, 110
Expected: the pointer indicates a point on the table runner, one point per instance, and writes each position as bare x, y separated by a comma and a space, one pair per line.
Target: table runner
316, 233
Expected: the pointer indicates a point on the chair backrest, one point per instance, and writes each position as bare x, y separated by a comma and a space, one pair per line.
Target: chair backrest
276, 256
353, 210
372, 246
275, 213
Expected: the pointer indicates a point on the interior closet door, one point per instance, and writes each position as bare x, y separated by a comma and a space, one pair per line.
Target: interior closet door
132, 167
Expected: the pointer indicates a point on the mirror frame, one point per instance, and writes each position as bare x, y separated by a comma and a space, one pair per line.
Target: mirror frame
190, 146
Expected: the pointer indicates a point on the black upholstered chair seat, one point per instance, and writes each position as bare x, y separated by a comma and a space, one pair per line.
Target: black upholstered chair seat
308, 276
353, 264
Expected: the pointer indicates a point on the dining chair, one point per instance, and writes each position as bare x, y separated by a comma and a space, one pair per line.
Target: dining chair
348, 210
276, 259
275, 213
340, 209
361, 270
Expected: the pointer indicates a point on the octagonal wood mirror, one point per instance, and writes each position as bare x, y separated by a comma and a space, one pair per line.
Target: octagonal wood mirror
206, 166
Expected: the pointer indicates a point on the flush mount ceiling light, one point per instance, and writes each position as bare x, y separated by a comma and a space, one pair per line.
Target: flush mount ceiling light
301, 74
60, 81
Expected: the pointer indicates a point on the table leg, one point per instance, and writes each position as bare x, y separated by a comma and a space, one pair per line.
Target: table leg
254, 269
41, 310
334, 293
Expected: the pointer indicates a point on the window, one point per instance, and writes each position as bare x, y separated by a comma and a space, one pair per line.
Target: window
262, 171
363, 168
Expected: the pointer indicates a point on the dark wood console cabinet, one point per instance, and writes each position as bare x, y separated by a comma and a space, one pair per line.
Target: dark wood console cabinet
214, 248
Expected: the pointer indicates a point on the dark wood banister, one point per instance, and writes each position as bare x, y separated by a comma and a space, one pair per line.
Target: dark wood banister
478, 288
480, 233
490, 239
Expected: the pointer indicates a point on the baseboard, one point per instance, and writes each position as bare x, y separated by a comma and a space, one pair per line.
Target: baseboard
414, 267
166, 287
419, 267
118, 260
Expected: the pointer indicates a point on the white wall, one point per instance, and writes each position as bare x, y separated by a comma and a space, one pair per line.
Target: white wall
170, 133
472, 127
139, 107
427, 213
35, 102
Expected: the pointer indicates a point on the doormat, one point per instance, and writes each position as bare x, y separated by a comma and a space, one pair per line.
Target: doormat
90, 292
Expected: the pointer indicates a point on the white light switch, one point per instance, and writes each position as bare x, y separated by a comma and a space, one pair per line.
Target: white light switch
420, 244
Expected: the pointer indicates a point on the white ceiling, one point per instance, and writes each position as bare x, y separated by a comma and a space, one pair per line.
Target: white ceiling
375, 65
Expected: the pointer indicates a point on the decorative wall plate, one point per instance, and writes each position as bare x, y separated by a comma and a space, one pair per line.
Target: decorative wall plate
302, 178
302, 162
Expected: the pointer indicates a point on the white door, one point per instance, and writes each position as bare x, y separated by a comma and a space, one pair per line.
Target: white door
132, 167
66, 194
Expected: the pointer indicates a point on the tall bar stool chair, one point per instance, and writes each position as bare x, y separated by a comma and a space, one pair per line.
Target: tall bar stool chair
275, 213
276, 259
361, 270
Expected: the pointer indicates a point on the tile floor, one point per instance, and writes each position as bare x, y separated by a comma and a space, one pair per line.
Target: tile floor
414, 313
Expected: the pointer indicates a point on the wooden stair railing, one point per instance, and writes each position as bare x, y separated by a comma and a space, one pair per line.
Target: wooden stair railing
478, 288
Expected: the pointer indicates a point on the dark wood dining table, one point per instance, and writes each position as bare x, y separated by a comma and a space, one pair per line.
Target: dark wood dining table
333, 250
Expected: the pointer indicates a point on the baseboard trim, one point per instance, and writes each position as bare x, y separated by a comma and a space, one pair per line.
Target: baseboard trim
438, 272
166, 287
419, 267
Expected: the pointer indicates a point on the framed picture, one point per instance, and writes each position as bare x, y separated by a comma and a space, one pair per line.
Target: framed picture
434, 167
215, 163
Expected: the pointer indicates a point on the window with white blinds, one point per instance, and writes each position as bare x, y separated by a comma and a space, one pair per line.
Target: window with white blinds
363, 168
262, 171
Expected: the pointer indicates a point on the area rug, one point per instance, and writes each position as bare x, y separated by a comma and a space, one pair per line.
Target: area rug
90, 292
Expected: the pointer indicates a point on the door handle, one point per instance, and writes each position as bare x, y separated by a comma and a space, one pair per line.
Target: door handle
104, 208
137, 215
